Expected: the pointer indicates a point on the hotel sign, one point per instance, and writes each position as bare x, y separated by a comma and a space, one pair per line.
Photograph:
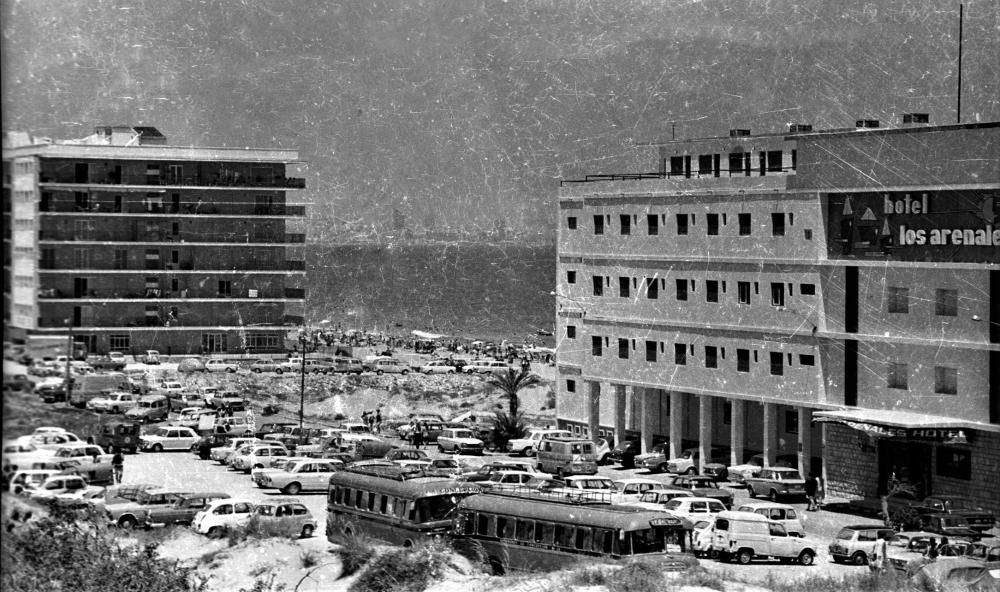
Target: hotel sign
949, 435
915, 226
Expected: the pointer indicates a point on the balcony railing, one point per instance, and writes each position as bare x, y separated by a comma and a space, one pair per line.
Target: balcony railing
215, 180
680, 175
124, 235
159, 294
187, 208
208, 264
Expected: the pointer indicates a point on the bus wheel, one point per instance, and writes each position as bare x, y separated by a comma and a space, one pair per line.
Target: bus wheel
496, 566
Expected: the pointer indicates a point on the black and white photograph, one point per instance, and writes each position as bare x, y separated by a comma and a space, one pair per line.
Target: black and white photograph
500, 295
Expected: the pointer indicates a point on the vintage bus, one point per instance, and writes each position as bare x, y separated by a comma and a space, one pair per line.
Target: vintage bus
388, 502
520, 531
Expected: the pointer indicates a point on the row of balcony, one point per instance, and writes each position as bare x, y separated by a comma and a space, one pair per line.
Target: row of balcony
183, 209
683, 174
168, 321
159, 294
187, 265
137, 236
214, 180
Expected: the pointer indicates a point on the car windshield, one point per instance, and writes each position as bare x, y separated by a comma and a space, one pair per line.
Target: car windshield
687, 454
705, 484
787, 475
463, 434
290, 465
961, 504
161, 432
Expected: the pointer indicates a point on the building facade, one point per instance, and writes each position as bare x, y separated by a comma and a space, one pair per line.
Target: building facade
131, 244
832, 295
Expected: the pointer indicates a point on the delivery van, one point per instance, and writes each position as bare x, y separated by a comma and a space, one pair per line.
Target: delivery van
745, 536
89, 386
567, 456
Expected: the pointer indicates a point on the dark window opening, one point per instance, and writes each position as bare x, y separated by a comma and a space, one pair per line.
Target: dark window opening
571, 331
743, 289
623, 349
652, 224
774, 161
742, 360
682, 289
599, 224
946, 303
713, 224
626, 222
777, 294
744, 224
676, 166
650, 351
711, 356
680, 354
777, 224
571, 222
571, 276
595, 346
807, 360
682, 224
945, 380
807, 289
897, 375
598, 285
704, 164
711, 291
777, 364
652, 288
623, 287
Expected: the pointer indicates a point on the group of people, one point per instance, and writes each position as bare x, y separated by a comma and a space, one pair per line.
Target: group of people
418, 433
373, 420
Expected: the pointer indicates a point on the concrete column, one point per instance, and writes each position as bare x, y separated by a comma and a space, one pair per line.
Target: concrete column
805, 441
594, 416
704, 431
621, 398
676, 424
737, 429
823, 456
770, 434
647, 417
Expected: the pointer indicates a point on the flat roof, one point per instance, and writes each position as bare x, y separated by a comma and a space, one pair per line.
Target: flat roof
154, 152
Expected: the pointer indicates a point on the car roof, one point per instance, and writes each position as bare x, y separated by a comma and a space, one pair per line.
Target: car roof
637, 480
866, 527
232, 500
763, 504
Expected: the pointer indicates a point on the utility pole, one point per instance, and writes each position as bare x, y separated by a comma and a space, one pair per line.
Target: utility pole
69, 360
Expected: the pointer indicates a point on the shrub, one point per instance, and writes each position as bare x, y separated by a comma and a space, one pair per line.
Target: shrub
353, 550
55, 553
507, 428
403, 570
266, 529
699, 576
638, 576
309, 558
588, 576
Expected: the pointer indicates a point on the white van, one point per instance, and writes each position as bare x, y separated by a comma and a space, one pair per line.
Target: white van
529, 444
566, 456
781, 513
745, 535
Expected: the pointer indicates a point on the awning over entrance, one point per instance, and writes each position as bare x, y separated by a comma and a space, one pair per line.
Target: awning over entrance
904, 425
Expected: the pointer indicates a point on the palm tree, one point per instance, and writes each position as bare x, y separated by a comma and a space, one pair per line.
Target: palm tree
511, 383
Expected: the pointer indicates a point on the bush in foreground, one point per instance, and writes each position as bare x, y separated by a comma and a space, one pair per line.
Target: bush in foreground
404, 570
56, 553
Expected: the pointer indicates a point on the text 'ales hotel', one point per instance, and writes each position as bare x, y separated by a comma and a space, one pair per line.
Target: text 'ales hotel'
833, 295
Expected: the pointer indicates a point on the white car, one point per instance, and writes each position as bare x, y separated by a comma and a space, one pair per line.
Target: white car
486, 367
57, 485
222, 453
169, 438
222, 515
24, 482
116, 402
391, 366
459, 441
311, 474
529, 444
630, 490
589, 487
657, 499
261, 456
437, 367
694, 508
221, 366
54, 440
701, 537
508, 481
168, 388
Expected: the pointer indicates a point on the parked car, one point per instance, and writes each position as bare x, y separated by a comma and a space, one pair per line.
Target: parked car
746, 536
406, 454
113, 402
589, 487
169, 438
121, 436
229, 366
949, 525
701, 537
119, 494
630, 490
780, 513
168, 388
261, 456
855, 543
203, 447
114, 361
602, 451
978, 517
221, 454
486, 367
655, 460
151, 357
657, 499
55, 485
717, 471
391, 366
128, 514
297, 476
149, 409
625, 452
900, 501
694, 508
25, 481
702, 486
777, 483
437, 367
528, 445
287, 513
566, 456
905, 550
348, 366
459, 441
753, 466
180, 511
498, 466
222, 515
259, 366
87, 460
954, 573
446, 466
507, 480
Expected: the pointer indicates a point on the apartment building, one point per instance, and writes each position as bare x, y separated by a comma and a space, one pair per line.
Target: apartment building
129, 243
832, 295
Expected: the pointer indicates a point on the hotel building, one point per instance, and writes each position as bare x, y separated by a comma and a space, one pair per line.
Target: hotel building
832, 295
133, 244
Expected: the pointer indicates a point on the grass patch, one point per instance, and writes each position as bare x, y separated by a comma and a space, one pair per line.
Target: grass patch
404, 570
637, 576
699, 576
354, 551
890, 581
588, 576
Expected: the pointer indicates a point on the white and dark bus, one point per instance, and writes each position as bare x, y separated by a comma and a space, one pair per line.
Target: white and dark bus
515, 531
397, 505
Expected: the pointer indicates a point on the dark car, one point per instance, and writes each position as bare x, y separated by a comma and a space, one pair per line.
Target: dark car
203, 447
702, 486
979, 518
950, 525
406, 454
717, 471
901, 501
121, 436
624, 453
181, 511
274, 427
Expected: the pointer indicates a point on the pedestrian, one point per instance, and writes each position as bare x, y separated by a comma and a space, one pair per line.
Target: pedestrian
424, 435
378, 420
878, 561
812, 486
118, 465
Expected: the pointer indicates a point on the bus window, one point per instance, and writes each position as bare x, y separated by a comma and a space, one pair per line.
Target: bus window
439, 507
545, 533
582, 537
501, 525
346, 500
400, 510
505, 528
602, 540
563, 536
648, 540
483, 524
357, 498
469, 523
371, 501
383, 503
335, 494
525, 530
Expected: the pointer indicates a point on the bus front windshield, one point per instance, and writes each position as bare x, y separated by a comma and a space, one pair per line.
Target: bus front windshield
438, 507
654, 540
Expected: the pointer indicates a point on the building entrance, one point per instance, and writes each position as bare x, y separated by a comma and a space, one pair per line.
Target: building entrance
907, 462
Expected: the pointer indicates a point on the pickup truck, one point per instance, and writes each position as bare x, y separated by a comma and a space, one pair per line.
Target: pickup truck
88, 460
777, 482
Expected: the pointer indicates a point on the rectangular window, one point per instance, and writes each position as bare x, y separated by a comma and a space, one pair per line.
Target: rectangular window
623, 349
897, 375
652, 288
777, 364
570, 276
119, 342
945, 380
599, 224
777, 294
791, 421
623, 287
807, 289
595, 346
650, 351
777, 224
742, 360
954, 462
897, 299
735, 163
807, 360
774, 161
676, 166
680, 354
713, 224
682, 289
571, 222
225, 288
570, 385
711, 290
704, 164
682, 224
598, 285
744, 224
711, 356
652, 224
946, 303
626, 222
743, 289
571, 331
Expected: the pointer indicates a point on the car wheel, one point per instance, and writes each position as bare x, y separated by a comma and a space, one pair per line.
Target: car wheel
279, 371
405, 372
744, 556
691, 471
750, 491
527, 451
774, 495
661, 468
604, 460
440, 448
256, 370
307, 531
496, 566
231, 370
379, 372
215, 532
115, 410
157, 448
292, 488
806, 557
859, 558
126, 522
